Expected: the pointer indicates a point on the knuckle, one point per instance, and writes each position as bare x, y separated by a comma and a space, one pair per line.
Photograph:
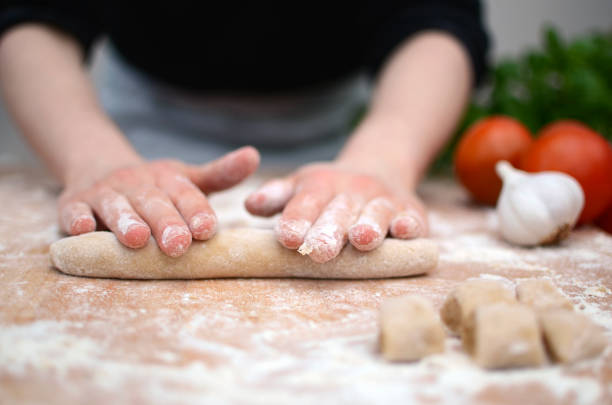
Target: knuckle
144, 194
183, 184
165, 165
188, 194
123, 174
383, 201
365, 182
102, 193
65, 199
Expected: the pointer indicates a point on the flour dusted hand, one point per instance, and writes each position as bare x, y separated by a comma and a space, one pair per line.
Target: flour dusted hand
238, 252
163, 198
327, 205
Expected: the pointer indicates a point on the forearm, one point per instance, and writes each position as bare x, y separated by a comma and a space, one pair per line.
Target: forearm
48, 93
418, 100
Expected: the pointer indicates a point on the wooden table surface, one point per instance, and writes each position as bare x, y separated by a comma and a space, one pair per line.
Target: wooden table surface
67, 339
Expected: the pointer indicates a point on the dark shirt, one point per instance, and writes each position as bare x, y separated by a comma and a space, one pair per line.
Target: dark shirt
257, 46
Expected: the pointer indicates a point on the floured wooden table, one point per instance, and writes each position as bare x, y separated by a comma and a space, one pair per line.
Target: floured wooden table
67, 339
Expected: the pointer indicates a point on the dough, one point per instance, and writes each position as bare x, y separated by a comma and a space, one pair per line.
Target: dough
409, 329
238, 252
571, 336
541, 295
504, 335
467, 296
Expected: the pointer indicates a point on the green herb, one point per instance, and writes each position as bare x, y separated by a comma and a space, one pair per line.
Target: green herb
563, 80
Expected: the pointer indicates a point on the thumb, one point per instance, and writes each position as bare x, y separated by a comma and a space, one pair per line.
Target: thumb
225, 172
271, 198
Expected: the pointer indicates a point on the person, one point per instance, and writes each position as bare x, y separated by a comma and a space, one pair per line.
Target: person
234, 63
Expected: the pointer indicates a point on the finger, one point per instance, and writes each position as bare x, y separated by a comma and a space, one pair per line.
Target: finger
373, 224
410, 222
191, 203
76, 218
226, 171
301, 211
118, 215
270, 198
328, 235
167, 225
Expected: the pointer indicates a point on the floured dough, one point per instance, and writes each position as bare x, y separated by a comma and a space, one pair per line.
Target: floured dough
409, 329
238, 252
571, 336
541, 295
504, 335
469, 295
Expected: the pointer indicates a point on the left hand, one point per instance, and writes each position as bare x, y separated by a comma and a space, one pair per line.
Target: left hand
325, 204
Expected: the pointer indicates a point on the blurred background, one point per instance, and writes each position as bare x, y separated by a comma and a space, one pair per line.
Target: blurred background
514, 26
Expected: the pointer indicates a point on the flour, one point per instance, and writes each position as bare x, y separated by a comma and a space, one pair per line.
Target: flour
598, 291
126, 220
273, 341
510, 284
343, 367
480, 248
327, 236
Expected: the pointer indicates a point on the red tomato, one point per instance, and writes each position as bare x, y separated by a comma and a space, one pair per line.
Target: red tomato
483, 144
573, 148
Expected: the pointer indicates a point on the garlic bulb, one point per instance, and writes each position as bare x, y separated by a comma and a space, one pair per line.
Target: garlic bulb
537, 208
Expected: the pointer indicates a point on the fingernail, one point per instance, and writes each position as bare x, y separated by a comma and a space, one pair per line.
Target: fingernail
365, 236
176, 239
126, 222
291, 233
203, 225
81, 224
406, 226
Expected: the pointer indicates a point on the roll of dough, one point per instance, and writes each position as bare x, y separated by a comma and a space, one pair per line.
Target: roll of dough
237, 252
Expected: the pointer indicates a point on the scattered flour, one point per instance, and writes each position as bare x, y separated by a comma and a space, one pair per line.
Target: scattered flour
305, 342
341, 367
598, 291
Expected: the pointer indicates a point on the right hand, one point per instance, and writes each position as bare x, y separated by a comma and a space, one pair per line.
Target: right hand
165, 198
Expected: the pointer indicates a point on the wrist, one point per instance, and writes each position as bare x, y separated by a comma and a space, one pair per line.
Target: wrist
87, 173
89, 164
384, 146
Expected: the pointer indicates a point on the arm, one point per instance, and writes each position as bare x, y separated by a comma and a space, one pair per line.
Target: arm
48, 92
417, 102
369, 190
50, 96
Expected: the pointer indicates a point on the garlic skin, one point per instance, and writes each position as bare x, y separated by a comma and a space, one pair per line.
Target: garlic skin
537, 208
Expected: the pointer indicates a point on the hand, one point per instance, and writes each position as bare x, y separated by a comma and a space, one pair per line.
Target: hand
164, 197
324, 205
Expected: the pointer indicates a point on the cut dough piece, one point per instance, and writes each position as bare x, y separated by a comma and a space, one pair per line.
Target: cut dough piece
571, 336
409, 329
239, 252
504, 335
541, 295
467, 296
